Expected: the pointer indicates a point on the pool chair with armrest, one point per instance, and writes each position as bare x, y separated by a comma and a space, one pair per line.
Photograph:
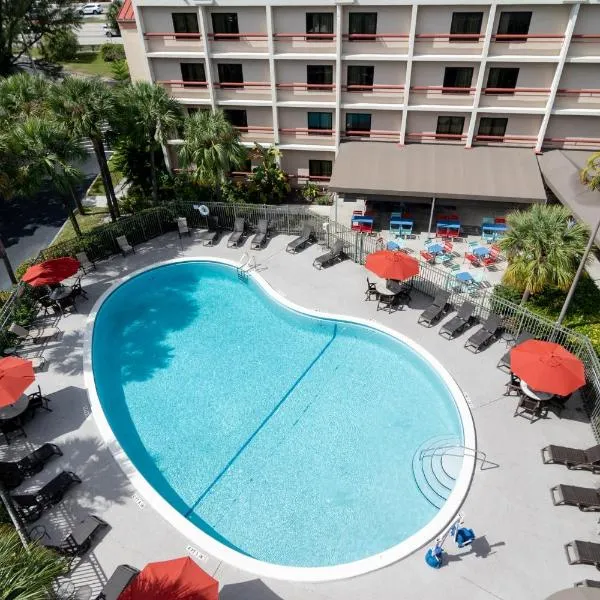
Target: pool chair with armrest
504, 362
530, 409
35, 334
428, 257
12, 474
306, 237
239, 230
490, 330
209, 237
585, 499
573, 458
182, 227
124, 246
85, 263
79, 540
437, 309
118, 582
583, 553
261, 235
457, 324
371, 290
334, 255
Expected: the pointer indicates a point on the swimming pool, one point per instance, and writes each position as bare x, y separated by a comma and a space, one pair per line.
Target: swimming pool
282, 441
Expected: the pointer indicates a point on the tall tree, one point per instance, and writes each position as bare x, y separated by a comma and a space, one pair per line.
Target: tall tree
23, 23
84, 106
211, 147
149, 115
544, 247
590, 174
112, 13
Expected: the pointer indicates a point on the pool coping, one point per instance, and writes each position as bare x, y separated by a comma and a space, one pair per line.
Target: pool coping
441, 521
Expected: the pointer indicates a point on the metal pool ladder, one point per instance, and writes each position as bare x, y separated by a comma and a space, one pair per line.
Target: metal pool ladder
247, 264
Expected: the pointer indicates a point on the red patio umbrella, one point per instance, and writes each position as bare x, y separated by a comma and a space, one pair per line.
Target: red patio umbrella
392, 265
547, 367
51, 271
16, 375
180, 578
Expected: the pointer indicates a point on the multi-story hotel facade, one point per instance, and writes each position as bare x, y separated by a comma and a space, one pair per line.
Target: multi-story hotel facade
308, 76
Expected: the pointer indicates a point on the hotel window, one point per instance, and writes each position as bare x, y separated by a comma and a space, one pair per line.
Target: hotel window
495, 126
319, 75
468, 23
319, 23
193, 74
225, 23
502, 77
231, 73
237, 117
358, 122
319, 168
514, 23
320, 120
450, 125
363, 25
360, 75
457, 77
185, 22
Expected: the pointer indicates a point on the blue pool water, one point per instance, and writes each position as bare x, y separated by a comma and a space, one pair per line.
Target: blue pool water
285, 437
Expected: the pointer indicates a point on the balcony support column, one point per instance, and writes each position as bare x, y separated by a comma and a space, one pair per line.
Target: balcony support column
409, 64
272, 74
207, 58
338, 74
557, 75
140, 32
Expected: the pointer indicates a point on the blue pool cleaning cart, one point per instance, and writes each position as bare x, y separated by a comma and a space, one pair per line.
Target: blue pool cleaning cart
461, 536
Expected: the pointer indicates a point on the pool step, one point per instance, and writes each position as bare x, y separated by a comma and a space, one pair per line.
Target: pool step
436, 464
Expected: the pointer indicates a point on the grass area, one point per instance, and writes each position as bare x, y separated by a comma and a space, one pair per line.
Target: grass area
94, 216
89, 63
97, 188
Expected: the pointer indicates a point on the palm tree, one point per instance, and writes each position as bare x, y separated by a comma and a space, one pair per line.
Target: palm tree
211, 147
22, 95
590, 174
148, 114
27, 574
544, 247
46, 150
84, 106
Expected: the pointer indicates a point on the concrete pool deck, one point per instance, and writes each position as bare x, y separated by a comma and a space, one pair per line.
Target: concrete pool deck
519, 551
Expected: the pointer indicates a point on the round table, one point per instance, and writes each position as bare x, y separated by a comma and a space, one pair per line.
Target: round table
60, 293
382, 288
434, 248
535, 394
15, 409
481, 251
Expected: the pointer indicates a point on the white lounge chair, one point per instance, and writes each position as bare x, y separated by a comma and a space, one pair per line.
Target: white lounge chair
84, 262
35, 334
182, 226
125, 246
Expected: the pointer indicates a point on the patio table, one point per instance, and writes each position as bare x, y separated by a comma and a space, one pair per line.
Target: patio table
535, 394
481, 251
60, 293
464, 277
435, 248
14, 410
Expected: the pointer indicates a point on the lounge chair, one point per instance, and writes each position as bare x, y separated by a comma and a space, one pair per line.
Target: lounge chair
504, 362
12, 474
84, 262
260, 237
334, 255
35, 334
464, 318
31, 506
119, 580
437, 309
124, 246
490, 329
530, 409
583, 553
573, 458
182, 227
11, 429
239, 230
80, 538
307, 236
585, 499
210, 236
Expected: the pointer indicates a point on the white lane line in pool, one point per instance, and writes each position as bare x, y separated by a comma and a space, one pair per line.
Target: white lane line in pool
138, 500
196, 553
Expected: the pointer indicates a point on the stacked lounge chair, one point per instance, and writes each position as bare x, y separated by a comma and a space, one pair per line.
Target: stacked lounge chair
12, 474
239, 230
437, 309
583, 553
334, 255
585, 499
261, 235
307, 236
119, 580
490, 330
573, 458
463, 319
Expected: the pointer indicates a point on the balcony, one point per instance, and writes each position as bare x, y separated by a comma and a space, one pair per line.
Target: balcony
572, 142
174, 42
244, 90
310, 43
577, 98
432, 137
309, 92
520, 97
232, 43
380, 135
307, 137
510, 140
585, 44
256, 133
187, 90
538, 44
373, 94
437, 94
448, 43
379, 43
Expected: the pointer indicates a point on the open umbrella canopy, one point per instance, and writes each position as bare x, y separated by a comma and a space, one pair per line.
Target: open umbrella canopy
547, 367
51, 271
16, 375
180, 578
392, 265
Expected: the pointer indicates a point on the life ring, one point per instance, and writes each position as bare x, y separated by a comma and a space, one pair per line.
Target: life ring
203, 209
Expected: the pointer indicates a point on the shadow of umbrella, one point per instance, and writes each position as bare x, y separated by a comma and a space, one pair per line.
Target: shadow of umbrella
248, 590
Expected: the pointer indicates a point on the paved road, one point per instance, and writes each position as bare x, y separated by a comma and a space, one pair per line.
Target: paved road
92, 34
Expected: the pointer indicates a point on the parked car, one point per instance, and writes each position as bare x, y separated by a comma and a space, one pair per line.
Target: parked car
110, 32
91, 9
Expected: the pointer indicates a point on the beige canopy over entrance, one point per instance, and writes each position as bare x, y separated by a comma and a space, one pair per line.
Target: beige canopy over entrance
440, 171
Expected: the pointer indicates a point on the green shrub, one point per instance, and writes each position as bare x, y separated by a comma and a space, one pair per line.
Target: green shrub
112, 52
20, 270
120, 71
310, 191
324, 200
61, 46
135, 200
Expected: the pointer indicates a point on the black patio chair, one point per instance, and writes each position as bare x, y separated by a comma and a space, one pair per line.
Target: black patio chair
210, 236
306, 237
239, 231
37, 401
490, 330
371, 291
78, 541
118, 581
261, 235
530, 409
437, 309
504, 362
334, 255
463, 319
12, 474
